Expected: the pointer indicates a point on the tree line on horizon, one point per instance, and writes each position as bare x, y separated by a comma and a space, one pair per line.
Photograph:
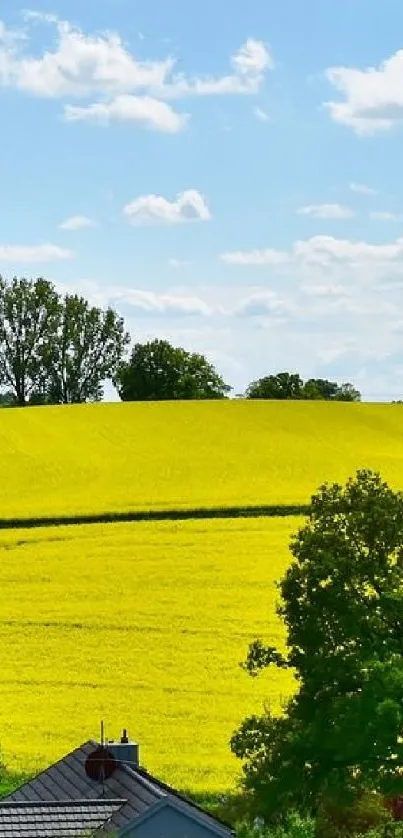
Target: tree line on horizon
59, 349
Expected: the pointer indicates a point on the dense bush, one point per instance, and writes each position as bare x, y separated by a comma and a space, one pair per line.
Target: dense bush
366, 813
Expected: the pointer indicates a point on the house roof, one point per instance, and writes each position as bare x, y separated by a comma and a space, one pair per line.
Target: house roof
53, 819
67, 780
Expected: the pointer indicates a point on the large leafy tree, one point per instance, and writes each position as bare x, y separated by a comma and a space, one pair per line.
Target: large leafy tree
159, 371
342, 605
86, 350
29, 312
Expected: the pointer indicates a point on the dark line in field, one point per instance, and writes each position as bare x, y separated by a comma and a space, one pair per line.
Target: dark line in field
276, 511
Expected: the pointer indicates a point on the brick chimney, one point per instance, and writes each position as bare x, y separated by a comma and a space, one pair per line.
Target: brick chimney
124, 750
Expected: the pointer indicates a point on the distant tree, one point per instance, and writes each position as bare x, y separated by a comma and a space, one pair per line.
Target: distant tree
29, 311
284, 385
342, 606
158, 371
287, 385
84, 352
348, 393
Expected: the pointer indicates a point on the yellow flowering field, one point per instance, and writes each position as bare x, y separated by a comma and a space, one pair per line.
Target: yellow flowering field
142, 625
119, 457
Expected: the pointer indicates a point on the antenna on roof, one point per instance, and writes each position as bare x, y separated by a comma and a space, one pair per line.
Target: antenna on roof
100, 763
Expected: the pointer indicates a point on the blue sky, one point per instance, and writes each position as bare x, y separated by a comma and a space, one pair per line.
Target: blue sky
226, 175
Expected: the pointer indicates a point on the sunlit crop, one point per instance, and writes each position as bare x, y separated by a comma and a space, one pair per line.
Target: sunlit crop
116, 457
142, 625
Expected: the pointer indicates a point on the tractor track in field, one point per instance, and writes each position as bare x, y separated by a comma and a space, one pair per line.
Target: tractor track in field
198, 513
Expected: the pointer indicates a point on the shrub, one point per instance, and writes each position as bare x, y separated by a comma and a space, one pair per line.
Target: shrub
366, 814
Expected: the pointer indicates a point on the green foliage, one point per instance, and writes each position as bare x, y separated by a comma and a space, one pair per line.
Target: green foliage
366, 813
342, 604
286, 385
293, 825
85, 351
29, 313
52, 349
158, 371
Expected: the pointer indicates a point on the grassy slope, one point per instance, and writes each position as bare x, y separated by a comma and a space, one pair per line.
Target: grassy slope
142, 625
119, 457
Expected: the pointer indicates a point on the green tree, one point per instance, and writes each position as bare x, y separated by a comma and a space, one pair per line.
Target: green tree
342, 605
158, 371
284, 385
84, 352
348, 393
29, 311
320, 388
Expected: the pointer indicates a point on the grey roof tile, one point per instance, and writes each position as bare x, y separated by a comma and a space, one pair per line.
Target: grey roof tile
55, 819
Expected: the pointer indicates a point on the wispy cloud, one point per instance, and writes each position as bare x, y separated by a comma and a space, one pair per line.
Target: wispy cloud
323, 252
335, 211
145, 111
269, 256
152, 303
77, 222
33, 253
386, 216
155, 209
362, 189
178, 263
261, 115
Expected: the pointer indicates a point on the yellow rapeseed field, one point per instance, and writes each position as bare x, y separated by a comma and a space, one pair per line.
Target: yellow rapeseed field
118, 457
142, 625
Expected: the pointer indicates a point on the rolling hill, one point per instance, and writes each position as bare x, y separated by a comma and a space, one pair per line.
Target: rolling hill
82, 459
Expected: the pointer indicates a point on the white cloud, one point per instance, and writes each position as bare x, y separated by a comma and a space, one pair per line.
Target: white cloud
252, 58
373, 97
250, 64
362, 189
385, 216
100, 66
336, 211
155, 209
33, 253
143, 110
150, 302
324, 252
77, 222
79, 65
255, 257
322, 249
261, 115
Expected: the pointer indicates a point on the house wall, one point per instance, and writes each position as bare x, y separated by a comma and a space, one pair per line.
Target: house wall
168, 823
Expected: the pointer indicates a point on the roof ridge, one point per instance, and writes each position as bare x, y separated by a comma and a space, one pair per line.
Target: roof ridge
174, 793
